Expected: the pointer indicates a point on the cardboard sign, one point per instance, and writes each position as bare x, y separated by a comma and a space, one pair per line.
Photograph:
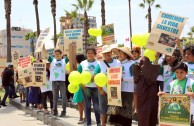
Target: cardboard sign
114, 86
108, 36
99, 54
41, 39
39, 74
15, 57
25, 71
166, 30
73, 36
174, 110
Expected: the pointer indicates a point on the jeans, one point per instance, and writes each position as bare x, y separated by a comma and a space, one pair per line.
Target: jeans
91, 94
5, 95
48, 94
56, 86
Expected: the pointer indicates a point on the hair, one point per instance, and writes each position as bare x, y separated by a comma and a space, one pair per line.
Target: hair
190, 49
91, 48
65, 55
181, 66
136, 49
58, 50
80, 58
10, 66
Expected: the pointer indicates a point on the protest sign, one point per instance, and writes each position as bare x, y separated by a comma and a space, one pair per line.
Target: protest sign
49, 41
41, 39
174, 110
99, 53
108, 36
39, 74
15, 57
73, 36
166, 30
25, 70
114, 86
60, 44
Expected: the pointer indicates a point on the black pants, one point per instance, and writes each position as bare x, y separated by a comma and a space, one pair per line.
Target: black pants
69, 95
6, 94
48, 94
12, 92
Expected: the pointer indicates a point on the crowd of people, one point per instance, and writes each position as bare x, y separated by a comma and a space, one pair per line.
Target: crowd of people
143, 82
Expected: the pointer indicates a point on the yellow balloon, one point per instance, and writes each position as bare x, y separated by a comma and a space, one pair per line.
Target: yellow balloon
85, 77
144, 39
74, 78
32, 58
150, 54
90, 31
100, 79
67, 67
136, 39
72, 88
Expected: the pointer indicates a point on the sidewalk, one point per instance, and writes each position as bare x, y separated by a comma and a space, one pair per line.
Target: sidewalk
71, 118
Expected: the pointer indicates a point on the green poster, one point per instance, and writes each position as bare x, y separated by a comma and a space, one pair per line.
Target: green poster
174, 110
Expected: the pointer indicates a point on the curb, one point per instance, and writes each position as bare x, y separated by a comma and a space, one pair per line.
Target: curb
47, 119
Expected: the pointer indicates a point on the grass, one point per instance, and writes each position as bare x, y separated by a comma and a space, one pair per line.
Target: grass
2, 94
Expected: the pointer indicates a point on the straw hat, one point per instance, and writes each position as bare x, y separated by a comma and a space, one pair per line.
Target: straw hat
106, 48
123, 49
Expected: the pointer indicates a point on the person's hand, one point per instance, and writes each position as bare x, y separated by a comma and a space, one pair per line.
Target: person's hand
190, 94
178, 42
161, 93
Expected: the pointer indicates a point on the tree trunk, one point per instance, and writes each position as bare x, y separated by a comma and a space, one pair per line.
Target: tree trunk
55, 31
32, 46
149, 19
130, 24
86, 29
37, 18
103, 12
8, 26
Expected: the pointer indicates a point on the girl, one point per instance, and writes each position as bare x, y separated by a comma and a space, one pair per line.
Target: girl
123, 115
136, 52
102, 68
78, 96
182, 85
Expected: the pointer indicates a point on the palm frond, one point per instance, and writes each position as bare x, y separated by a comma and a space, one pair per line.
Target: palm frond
76, 7
82, 19
158, 6
192, 29
80, 4
85, 2
67, 13
142, 5
90, 3
146, 16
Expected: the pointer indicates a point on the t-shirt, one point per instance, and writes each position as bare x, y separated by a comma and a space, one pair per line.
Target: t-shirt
57, 69
178, 86
102, 68
48, 85
127, 75
90, 67
7, 77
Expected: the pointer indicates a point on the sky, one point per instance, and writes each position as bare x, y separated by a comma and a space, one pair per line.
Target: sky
23, 14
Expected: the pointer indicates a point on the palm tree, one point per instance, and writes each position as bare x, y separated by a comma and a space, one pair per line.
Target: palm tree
150, 3
192, 29
71, 15
35, 2
84, 5
130, 26
103, 12
190, 34
53, 10
31, 36
92, 40
7, 5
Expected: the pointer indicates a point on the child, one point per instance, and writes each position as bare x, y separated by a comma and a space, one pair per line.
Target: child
182, 85
21, 89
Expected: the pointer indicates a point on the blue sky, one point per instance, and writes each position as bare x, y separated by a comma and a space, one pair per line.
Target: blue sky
23, 14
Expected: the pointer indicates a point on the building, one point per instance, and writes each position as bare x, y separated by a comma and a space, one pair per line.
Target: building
18, 42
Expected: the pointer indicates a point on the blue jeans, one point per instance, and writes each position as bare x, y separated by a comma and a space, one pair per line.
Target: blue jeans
5, 95
91, 94
56, 86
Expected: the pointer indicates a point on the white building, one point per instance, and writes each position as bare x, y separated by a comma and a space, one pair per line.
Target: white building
18, 42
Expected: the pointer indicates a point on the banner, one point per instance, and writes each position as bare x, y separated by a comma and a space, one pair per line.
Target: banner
114, 86
15, 57
99, 53
41, 39
73, 36
108, 36
39, 74
174, 110
167, 28
25, 71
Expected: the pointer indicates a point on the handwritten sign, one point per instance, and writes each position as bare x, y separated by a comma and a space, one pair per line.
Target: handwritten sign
108, 36
15, 57
39, 74
114, 86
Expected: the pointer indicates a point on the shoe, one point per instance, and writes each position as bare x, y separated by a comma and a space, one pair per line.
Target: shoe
81, 121
4, 105
63, 114
16, 96
55, 113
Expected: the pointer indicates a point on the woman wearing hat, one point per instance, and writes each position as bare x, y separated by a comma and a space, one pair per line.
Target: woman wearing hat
123, 115
102, 68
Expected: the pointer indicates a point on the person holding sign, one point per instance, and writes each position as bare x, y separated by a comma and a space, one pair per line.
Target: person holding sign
102, 68
182, 85
57, 76
123, 115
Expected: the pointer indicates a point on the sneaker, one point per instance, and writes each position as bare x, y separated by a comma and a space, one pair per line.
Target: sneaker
55, 113
81, 121
16, 96
63, 114
4, 105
